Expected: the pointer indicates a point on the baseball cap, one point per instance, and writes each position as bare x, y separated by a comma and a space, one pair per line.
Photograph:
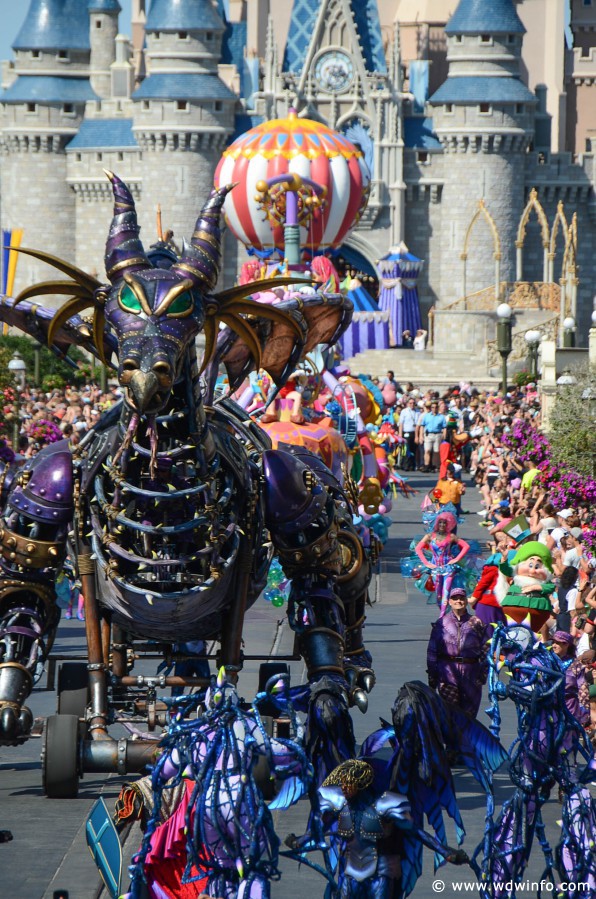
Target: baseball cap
549, 523
565, 513
562, 637
576, 533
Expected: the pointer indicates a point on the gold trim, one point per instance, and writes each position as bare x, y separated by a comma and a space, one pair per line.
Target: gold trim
482, 211
134, 260
139, 293
533, 204
174, 293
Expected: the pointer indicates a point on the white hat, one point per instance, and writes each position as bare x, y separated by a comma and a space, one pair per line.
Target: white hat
565, 513
80, 425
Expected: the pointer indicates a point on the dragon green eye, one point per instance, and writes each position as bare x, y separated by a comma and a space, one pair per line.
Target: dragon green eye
181, 305
129, 301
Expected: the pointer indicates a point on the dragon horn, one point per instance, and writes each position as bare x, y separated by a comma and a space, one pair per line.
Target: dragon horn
124, 250
201, 259
221, 676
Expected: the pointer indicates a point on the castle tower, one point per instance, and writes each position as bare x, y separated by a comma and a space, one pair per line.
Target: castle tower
483, 115
335, 70
183, 112
103, 28
40, 112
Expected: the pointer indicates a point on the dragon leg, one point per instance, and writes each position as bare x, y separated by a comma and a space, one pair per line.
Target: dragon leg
33, 528
352, 587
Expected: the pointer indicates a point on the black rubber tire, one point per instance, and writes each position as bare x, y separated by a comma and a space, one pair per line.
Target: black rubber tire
73, 689
60, 757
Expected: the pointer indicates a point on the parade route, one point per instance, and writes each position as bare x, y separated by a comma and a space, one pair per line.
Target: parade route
48, 853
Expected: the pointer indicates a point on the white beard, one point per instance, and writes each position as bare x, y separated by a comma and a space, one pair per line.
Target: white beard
522, 580
501, 588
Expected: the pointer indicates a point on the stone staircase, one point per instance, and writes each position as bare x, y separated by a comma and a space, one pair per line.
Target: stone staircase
423, 369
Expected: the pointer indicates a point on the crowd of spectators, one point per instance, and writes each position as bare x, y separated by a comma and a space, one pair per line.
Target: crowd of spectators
462, 431
45, 417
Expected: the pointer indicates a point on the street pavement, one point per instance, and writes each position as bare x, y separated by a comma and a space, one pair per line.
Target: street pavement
48, 856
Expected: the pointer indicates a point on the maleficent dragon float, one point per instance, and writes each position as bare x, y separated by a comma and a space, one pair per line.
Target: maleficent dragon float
167, 504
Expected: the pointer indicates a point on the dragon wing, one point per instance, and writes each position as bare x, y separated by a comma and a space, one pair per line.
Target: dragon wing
314, 319
36, 321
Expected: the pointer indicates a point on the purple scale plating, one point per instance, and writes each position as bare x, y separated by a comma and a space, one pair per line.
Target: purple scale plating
289, 503
48, 495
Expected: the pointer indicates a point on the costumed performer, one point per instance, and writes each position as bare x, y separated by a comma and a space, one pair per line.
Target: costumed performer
532, 587
491, 588
442, 542
221, 829
456, 655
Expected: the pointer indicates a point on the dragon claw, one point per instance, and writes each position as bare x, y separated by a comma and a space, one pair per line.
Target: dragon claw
368, 682
15, 725
360, 700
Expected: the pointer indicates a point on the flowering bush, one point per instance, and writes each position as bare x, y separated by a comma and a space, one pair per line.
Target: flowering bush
43, 432
566, 487
521, 378
528, 443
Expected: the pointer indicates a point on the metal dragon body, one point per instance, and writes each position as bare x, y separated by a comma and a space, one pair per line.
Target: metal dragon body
173, 504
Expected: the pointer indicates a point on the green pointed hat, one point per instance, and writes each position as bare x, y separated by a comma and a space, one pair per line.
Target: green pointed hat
533, 548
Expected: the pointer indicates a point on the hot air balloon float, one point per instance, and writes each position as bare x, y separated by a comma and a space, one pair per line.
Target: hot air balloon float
300, 188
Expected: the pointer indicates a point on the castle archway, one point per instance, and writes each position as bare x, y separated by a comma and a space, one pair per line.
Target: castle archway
533, 205
480, 215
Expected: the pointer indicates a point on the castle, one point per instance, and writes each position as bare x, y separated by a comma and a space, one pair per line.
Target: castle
459, 135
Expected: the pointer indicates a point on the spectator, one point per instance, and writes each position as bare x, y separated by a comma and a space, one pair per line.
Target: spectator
420, 340
577, 696
408, 422
430, 431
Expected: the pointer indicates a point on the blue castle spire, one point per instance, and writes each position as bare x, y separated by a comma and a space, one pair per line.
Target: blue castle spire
183, 15
485, 17
303, 21
55, 25
104, 6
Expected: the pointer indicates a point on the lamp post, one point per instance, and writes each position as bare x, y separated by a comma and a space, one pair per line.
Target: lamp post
504, 313
36, 362
533, 340
569, 332
566, 379
18, 369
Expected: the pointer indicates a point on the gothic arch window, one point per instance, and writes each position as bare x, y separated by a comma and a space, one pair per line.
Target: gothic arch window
533, 205
482, 214
560, 224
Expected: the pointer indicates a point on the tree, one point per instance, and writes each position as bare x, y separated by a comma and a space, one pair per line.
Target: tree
49, 364
572, 430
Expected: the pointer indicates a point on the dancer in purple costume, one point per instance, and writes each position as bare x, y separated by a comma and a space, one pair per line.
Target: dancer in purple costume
441, 542
545, 754
222, 829
456, 655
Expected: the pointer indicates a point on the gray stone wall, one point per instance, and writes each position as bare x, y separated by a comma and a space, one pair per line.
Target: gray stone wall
36, 197
180, 183
94, 199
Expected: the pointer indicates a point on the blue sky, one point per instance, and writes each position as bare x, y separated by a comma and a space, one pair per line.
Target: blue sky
12, 15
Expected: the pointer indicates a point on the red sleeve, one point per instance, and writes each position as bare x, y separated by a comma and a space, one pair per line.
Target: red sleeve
486, 582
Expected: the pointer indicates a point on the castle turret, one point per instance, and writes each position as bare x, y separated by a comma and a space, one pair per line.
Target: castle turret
483, 115
103, 28
40, 112
184, 113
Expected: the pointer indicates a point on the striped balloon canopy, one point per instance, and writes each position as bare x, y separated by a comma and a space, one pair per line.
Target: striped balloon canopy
305, 148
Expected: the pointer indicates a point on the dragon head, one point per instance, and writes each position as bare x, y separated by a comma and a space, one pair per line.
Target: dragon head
155, 313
